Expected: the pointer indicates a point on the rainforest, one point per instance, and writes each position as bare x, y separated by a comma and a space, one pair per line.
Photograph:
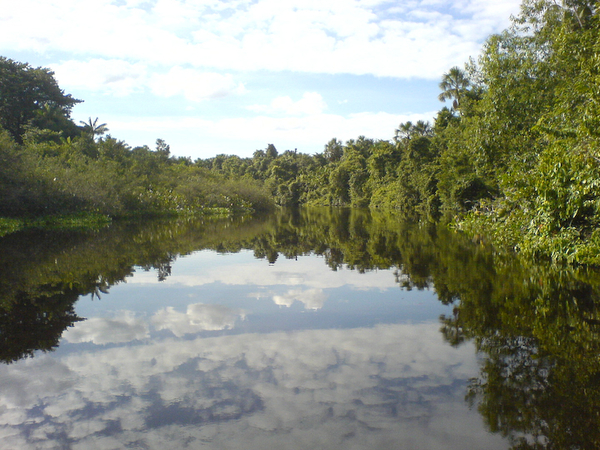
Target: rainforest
513, 159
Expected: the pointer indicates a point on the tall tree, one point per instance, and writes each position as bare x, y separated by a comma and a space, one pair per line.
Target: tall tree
407, 130
271, 151
93, 128
453, 85
24, 92
334, 150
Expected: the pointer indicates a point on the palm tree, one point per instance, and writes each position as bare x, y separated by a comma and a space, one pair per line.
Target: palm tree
93, 128
453, 85
404, 131
423, 128
407, 130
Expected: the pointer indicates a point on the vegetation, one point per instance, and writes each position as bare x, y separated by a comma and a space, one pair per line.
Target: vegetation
536, 326
51, 167
516, 157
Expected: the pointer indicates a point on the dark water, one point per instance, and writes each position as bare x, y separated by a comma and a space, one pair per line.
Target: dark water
314, 329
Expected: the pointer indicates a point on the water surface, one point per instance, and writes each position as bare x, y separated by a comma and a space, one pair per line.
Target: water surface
304, 329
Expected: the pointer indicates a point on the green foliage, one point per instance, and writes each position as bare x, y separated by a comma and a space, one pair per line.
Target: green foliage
334, 150
51, 169
109, 178
28, 95
93, 128
516, 157
8, 226
453, 86
547, 144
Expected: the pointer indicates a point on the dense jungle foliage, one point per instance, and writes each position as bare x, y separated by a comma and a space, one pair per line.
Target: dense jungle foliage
51, 166
515, 158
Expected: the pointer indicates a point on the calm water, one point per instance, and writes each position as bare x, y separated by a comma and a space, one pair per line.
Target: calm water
316, 329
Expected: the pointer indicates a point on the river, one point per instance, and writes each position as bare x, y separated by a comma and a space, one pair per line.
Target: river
303, 329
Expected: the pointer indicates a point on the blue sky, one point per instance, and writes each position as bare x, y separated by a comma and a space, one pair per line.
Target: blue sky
231, 76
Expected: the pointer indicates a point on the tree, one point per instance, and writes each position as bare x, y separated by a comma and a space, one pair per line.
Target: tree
163, 150
403, 132
51, 124
453, 85
334, 150
408, 130
24, 92
93, 128
271, 151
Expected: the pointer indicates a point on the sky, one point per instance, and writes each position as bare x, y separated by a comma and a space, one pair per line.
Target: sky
232, 76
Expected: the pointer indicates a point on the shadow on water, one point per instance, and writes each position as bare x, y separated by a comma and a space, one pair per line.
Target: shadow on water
535, 326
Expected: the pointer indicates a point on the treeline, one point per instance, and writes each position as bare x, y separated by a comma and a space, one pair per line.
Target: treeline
360, 173
105, 176
49, 165
516, 156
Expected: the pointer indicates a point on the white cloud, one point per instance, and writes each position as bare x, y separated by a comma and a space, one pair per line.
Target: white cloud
111, 76
309, 36
198, 317
337, 389
194, 85
121, 78
311, 298
311, 103
124, 328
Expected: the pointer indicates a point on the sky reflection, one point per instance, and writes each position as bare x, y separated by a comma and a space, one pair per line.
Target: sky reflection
291, 356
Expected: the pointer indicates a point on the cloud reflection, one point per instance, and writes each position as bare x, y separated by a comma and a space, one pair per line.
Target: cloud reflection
311, 298
243, 270
124, 328
390, 386
198, 317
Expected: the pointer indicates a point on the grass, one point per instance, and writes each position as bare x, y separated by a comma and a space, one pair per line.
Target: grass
91, 221
66, 221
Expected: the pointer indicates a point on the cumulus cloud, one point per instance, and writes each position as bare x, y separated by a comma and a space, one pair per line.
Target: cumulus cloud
310, 36
311, 298
198, 317
339, 389
124, 328
111, 76
121, 78
193, 84
311, 103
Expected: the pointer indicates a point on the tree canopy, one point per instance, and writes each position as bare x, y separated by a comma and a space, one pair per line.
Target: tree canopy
516, 157
28, 93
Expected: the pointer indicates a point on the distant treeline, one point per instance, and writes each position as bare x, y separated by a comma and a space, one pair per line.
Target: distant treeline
515, 158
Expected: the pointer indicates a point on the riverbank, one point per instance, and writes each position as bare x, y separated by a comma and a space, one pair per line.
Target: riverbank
90, 221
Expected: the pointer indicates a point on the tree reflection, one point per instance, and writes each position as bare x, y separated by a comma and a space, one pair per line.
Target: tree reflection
36, 323
537, 327
537, 330
538, 400
452, 329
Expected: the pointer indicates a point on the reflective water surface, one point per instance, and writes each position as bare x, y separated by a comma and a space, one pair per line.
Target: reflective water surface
317, 328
